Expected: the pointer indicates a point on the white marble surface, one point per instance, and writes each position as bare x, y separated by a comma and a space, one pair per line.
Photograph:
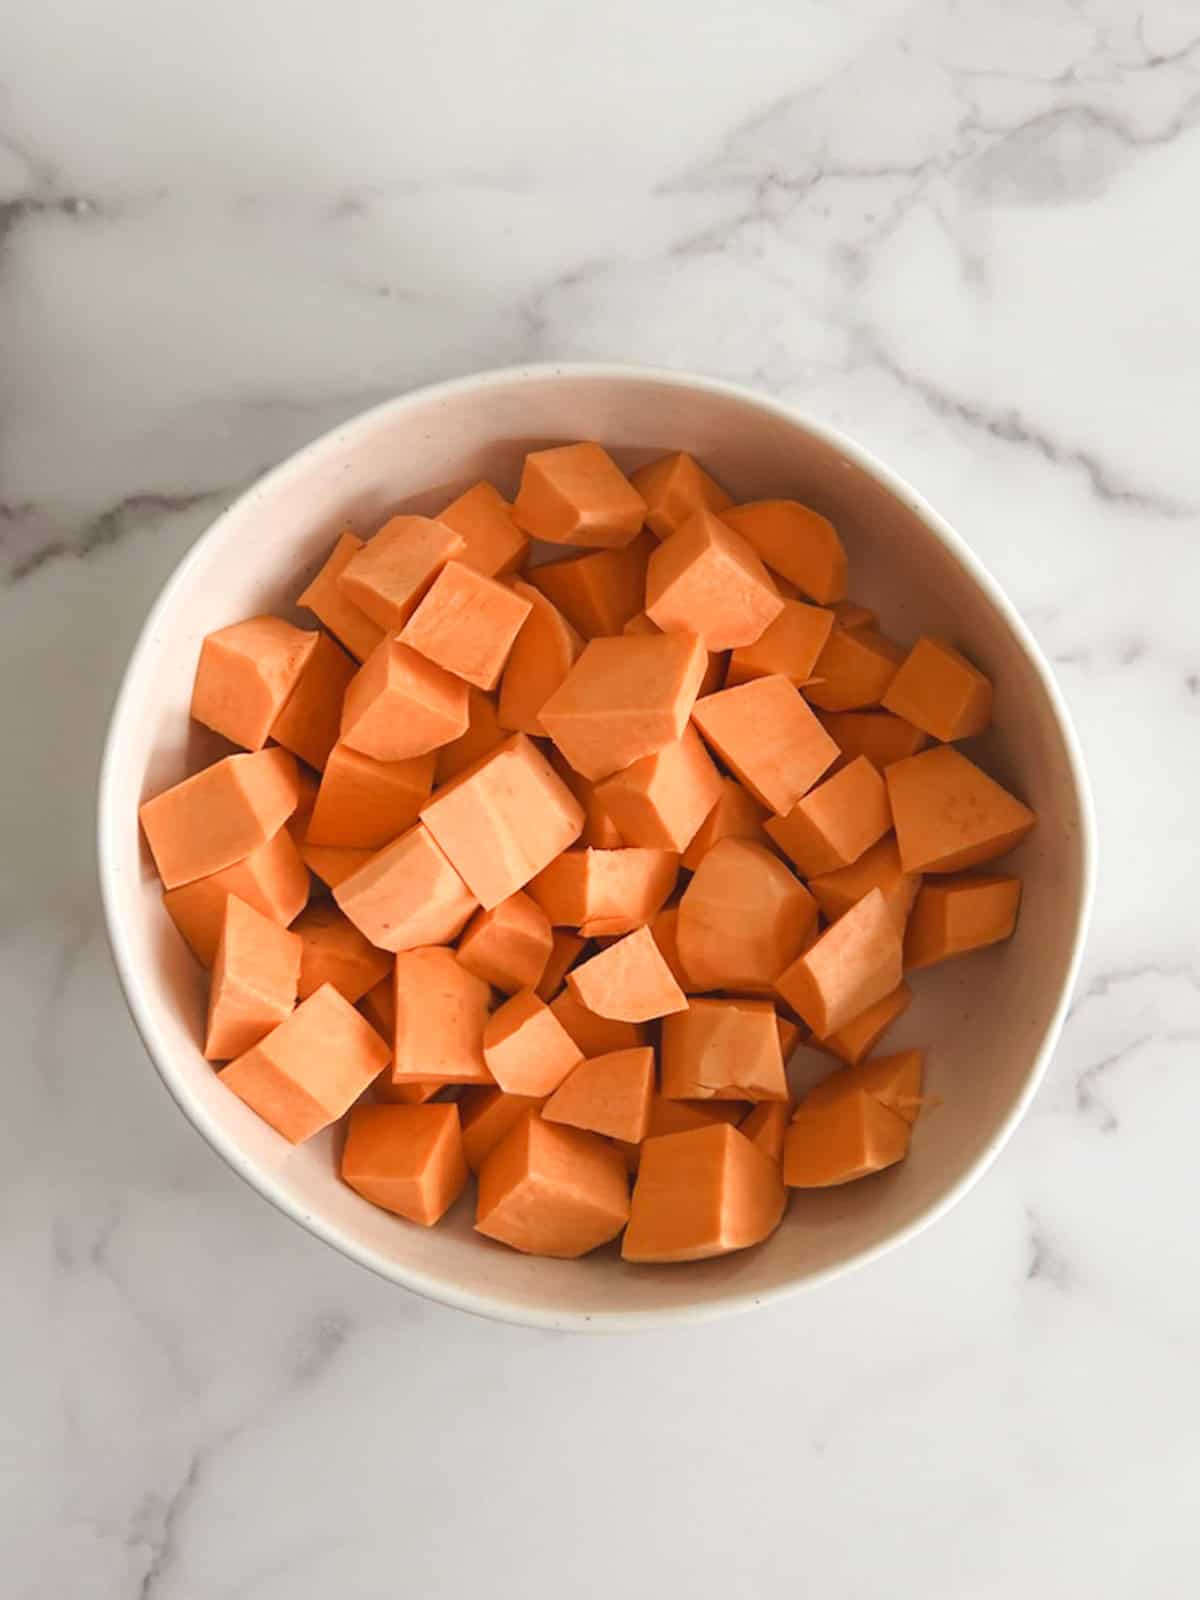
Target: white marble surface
965, 231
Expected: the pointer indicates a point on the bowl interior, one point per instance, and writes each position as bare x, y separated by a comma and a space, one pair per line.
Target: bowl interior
986, 1022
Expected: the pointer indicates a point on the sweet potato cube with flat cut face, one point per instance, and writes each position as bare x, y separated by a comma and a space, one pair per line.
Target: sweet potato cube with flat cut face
857, 1038
603, 892
834, 824
797, 542
939, 691
770, 738
954, 915
707, 580
599, 592
848, 1137
400, 705
407, 895
526, 1047
493, 544
623, 699
723, 1050
334, 951
949, 814
743, 918
309, 722
245, 676
545, 650
389, 575
441, 1011
503, 821
363, 804
466, 624
788, 647
311, 1069
509, 945
487, 1114
702, 1193
595, 1035
550, 1190
378, 1005
219, 815
628, 982
737, 815
576, 494
851, 966
895, 1081
325, 599
674, 488
253, 983
854, 670
661, 801
878, 735
406, 1159
877, 868
609, 1094
272, 880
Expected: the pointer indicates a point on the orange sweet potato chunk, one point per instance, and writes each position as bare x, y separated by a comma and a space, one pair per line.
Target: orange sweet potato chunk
334, 951
707, 580
609, 1094
484, 733
272, 880
743, 918
789, 647
363, 804
858, 1037
550, 1190
487, 1114
400, 705
604, 892
565, 949
253, 983
854, 670
545, 650
674, 488
736, 815
526, 1047
799, 543
770, 738
407, 895
877, 868
702, 1193
503, 821
846, 1138
664, 930
325, 599
389, 575
576, 494
628, 982
954, 915
595, 1035
378, 1005
599, 592
219, 815
467, 624
309, 722
244, 677
441, 1012
661, 801
895, 1081
723, 1050
852, 965
494, 545
939, 691
878, 735
509, 945
333, 862
406, 1159
311, 1069
623, 699
834, 824
949, 814
765, 1125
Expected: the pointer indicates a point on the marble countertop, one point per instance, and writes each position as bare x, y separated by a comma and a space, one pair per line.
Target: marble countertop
965, 232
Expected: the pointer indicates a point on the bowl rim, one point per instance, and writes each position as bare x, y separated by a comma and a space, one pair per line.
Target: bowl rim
430, 1286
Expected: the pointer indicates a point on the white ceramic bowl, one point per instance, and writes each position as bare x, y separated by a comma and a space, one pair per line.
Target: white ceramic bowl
989, 1022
